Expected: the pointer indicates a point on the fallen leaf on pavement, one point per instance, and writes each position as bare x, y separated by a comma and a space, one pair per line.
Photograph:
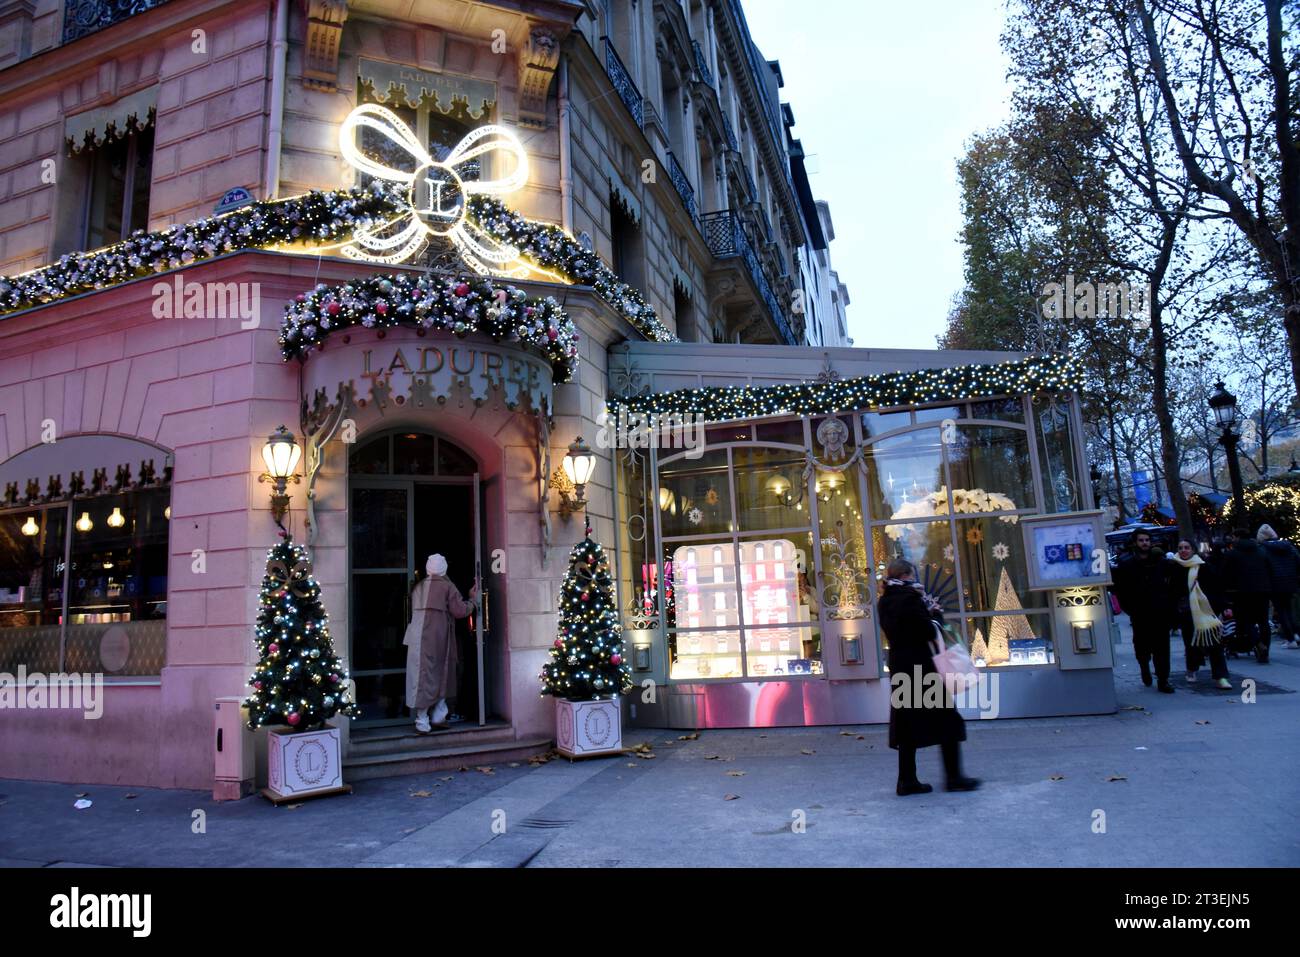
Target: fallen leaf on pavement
448, 777
807, 751
862, 737
1117, 777
128, 797
736, 774
713, 757
645, 755
1057, 777
83, 794
513, 764
688, 737
485, 770
846, 734
462, 769
1132, 707
631, 764
292, 807
731, 797
421, 794
1202, 722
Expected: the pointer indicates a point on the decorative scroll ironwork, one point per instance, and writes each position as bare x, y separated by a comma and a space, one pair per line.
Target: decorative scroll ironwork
623, 83
701, 64
683, 185
82, 18
320, 423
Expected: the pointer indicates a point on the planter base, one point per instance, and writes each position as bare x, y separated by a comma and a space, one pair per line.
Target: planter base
278, 799
303, 764
588, 728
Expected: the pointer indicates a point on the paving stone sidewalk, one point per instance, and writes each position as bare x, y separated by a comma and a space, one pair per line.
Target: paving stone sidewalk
1190, 779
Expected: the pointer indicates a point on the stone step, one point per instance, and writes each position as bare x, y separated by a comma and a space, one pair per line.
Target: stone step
405, 738
395, 763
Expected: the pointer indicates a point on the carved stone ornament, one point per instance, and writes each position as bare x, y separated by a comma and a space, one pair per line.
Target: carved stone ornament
537, 63
320, 68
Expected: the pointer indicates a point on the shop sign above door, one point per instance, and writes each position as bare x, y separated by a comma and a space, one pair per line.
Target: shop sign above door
405, 369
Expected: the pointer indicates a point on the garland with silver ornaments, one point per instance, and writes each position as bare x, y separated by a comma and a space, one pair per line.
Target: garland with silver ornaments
318, 216
552, 249
503, 312
1040, 374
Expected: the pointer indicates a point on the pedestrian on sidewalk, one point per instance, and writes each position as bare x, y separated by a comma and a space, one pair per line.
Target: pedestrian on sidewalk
915, 720
1144, 587
1284, 571
1250, 583
1199, 601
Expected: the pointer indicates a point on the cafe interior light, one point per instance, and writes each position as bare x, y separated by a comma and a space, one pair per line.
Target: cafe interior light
84, 524
281, 453
30, 527
116, 519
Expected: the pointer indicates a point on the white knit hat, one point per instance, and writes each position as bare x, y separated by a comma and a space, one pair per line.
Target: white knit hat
436, 565
1266, 533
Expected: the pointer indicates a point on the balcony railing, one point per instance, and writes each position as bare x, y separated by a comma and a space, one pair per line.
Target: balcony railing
725, 236
683, 185
701, 64
82, 18
732, 142
623, 84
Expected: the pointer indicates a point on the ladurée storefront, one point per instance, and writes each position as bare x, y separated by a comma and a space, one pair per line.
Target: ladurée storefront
433, 405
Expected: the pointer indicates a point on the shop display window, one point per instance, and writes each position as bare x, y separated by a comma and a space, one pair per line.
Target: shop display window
31, 587
1056, 459
769, 488
990, 461
695, 496
1015, 640
847, 578
904, 472
994, 575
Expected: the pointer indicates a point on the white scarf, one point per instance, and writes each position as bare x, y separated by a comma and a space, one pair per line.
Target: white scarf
1206, 624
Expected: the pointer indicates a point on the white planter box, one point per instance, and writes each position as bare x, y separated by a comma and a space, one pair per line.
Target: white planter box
584, 728
303, 763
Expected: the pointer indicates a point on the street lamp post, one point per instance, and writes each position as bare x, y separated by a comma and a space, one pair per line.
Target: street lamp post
1224, 406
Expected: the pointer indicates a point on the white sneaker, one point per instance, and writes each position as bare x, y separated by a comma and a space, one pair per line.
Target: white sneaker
440, 712
422, 723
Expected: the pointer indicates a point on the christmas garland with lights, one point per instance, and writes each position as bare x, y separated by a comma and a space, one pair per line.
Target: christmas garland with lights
318, 216
503, 312
1043, 374
551, 249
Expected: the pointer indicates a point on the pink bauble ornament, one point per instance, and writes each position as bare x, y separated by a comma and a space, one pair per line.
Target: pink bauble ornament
273, 648
294, 718
332, 308
381, 308
462, 289
615, 659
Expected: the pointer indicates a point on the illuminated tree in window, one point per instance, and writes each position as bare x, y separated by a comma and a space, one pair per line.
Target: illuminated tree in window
1006, 627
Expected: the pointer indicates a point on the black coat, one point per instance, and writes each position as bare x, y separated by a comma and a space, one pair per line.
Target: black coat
1144, 587
907, 625
1247, 570
1283, 565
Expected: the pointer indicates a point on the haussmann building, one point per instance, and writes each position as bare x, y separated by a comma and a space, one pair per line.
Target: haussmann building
438, 243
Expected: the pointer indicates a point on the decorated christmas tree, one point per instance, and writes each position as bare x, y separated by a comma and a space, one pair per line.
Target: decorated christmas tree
587, 660
1004, 628
299, 681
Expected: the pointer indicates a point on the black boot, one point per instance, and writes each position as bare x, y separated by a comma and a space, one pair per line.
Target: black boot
912, 787
907, 780
952, 768
1165, 686
1146, 673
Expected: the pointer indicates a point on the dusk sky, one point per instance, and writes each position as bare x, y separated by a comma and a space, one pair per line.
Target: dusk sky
884, 101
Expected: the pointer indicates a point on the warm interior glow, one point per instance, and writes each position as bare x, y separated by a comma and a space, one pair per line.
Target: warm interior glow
30, 527
281, 454
84, 524
116, 519
579, 463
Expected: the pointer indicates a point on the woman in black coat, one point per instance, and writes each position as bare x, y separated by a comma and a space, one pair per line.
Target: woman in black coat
907, 622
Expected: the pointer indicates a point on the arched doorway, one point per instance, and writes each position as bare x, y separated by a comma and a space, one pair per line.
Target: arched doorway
410, 494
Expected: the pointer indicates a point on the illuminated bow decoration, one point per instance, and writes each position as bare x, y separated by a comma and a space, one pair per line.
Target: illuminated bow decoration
436, 193
296, 581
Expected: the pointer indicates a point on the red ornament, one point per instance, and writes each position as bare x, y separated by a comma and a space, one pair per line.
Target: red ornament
294, 718
334, 678
462, 289
559, 642
257, 685
552, 334
615, 659
301, 297
273, 648
585, 596
332, 308
381, 308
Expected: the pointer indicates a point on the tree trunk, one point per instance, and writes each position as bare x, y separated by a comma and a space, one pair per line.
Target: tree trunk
1165, 418
1114, 461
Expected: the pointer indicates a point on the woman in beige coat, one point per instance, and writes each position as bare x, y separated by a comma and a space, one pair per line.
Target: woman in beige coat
431, 654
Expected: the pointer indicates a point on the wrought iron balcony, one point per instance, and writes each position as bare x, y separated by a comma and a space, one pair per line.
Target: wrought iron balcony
732, 142
683, 185
725, 236
623, 84
82, 18
701, 64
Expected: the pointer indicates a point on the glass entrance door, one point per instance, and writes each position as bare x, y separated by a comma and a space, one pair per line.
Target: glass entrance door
397, 521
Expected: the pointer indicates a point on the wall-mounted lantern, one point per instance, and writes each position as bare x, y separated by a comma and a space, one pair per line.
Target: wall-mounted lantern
571, 479
281, 454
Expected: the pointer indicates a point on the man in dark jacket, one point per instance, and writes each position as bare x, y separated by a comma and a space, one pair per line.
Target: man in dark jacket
915, 719
1250, 582
1143, 586
1284, 575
